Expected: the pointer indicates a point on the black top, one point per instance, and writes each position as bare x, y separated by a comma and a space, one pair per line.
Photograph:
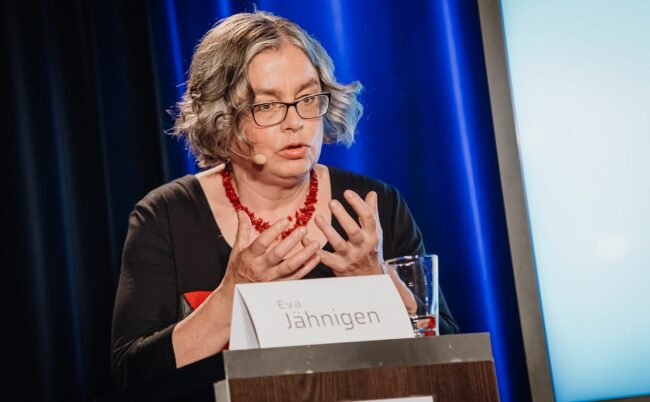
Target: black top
174, 246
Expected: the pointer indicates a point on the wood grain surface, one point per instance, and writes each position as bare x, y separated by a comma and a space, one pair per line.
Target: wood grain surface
471, 381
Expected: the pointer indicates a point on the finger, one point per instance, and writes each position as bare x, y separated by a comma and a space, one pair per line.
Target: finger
335, 262
291, 265
263, 241
363, 209
373, 202
349, 225
306, 240
277, 253
306, 268
243, 235
338, 243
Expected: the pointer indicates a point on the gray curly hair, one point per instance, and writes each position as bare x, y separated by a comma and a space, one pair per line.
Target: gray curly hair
218, 92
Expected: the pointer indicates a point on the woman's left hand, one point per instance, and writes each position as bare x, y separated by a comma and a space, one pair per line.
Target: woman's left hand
362, 253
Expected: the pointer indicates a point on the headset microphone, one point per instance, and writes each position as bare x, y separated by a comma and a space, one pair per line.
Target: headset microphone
257, 159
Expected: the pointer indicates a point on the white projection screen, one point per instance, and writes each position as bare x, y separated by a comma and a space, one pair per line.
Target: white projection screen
569, 88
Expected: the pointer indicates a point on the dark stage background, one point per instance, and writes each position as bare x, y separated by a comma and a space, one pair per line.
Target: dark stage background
86, 86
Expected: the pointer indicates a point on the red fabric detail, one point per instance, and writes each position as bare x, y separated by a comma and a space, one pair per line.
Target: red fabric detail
196, 298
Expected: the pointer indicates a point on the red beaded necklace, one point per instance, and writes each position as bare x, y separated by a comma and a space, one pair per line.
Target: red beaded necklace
302, 216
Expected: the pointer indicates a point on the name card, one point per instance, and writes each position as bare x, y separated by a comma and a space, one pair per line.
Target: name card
317, 311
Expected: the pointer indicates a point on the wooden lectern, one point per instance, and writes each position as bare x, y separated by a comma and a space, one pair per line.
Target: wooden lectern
448, 368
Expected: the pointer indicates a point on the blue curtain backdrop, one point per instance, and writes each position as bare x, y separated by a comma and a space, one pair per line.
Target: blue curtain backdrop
91, 84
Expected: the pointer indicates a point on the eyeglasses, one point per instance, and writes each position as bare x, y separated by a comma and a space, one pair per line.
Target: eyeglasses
308, 107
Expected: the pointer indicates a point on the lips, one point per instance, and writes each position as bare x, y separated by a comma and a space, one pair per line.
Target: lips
295, 145
294, 150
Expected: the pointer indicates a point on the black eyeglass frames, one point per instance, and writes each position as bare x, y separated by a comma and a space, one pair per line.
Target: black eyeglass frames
308, 107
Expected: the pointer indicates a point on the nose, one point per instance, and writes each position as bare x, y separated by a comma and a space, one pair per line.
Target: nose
293, 121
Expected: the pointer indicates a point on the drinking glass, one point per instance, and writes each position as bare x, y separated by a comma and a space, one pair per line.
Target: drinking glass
419, 273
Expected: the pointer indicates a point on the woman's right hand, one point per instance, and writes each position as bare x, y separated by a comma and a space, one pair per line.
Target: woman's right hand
207, 329
262, 261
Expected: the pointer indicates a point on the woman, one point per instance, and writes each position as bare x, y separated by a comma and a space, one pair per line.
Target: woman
261, 99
